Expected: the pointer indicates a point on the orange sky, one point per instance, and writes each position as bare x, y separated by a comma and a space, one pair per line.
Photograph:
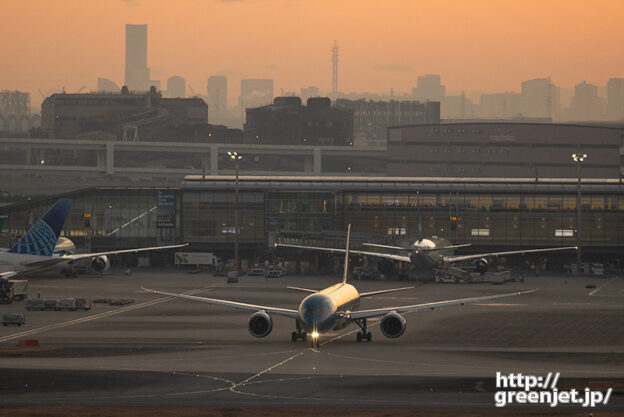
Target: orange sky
476, 45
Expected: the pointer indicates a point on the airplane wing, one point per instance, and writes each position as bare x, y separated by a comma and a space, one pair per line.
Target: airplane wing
457, 258
234, 304
7, 275
56, 260
377, 245
368, 294
376, 312
400, 258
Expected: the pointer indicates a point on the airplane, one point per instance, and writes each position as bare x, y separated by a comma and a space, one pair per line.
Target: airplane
333, 308
430, 253
35, 251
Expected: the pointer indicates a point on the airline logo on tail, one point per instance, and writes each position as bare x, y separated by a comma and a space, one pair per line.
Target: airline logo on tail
42, 237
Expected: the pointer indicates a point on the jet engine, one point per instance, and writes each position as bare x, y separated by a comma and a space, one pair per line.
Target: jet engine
260, 324
100, 263
393, 325
481, 265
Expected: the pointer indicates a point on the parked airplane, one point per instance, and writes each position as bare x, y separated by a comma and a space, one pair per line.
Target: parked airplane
34, 252
429, 253
333, 308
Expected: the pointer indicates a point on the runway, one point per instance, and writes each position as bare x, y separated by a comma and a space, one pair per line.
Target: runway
169, 352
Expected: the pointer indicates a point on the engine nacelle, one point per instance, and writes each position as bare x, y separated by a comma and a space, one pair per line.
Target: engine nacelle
100, 263
393, 325
481, 265
260, 324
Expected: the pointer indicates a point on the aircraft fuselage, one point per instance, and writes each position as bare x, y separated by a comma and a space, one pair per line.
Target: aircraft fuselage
322, 311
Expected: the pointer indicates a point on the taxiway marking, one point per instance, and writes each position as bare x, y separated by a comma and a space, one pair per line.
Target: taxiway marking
93, 317
603, 285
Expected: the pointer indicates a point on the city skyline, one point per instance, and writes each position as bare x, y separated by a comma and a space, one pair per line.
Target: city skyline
475, 46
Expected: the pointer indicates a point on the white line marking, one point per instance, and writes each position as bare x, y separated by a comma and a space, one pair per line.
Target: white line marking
603, 285
93, 317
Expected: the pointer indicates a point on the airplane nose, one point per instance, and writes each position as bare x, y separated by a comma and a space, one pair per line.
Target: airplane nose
314, 310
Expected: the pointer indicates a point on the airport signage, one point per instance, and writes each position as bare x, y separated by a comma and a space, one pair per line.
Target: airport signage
166, 209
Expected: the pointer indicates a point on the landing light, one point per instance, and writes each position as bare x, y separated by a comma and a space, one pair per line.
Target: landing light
315, 335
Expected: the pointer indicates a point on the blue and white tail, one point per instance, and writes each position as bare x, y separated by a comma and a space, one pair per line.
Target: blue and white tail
42, 237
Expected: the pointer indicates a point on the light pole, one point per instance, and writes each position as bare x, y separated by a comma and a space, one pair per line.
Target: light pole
235, 156
578, 159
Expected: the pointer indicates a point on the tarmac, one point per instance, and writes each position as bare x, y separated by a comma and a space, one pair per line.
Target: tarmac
165, 352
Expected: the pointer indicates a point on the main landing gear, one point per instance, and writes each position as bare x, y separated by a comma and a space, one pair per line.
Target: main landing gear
364, 335
299, 334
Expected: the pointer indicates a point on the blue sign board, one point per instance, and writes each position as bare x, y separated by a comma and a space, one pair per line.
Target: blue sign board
166, 208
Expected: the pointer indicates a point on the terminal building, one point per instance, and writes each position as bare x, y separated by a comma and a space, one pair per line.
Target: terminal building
489, 213
504, 150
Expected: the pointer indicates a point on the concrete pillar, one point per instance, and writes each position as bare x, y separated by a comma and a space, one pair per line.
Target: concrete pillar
110, 158
214, 160
317, 161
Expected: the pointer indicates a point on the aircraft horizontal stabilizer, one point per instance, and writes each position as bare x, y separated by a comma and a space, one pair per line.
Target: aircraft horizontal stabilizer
302, 289
368, 294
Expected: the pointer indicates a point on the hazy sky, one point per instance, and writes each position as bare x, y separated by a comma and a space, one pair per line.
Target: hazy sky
482, 45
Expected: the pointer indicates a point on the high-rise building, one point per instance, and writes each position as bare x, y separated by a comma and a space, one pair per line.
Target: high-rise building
335, 68
217, 94
457, 107
176, 87
308, 92
540, 98
501, 105
104, 85
137, 72
586, 104
429, 88
615, 99
15, 113
255, 92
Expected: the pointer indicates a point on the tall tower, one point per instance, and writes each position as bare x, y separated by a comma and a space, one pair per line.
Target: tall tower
137, 72
217, 94
335, 68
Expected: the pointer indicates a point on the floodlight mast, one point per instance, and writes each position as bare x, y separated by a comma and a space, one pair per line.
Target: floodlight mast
235, 156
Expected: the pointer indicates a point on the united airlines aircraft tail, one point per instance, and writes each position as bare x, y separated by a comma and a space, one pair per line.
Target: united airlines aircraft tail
42, 237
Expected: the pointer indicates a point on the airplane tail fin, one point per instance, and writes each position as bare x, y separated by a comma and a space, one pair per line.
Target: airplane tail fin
42, 237
346, 266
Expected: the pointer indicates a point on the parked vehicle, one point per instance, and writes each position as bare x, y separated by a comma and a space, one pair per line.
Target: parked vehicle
16, 319
66, 304
20, 289
256, 269
13, 290
121, 301
82, 304
35, 304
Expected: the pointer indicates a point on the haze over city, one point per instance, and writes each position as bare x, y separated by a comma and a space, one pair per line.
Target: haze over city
476, 46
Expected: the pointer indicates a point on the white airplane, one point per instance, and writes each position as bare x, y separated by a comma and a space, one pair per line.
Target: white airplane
429, 253
333, 308
35, 251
